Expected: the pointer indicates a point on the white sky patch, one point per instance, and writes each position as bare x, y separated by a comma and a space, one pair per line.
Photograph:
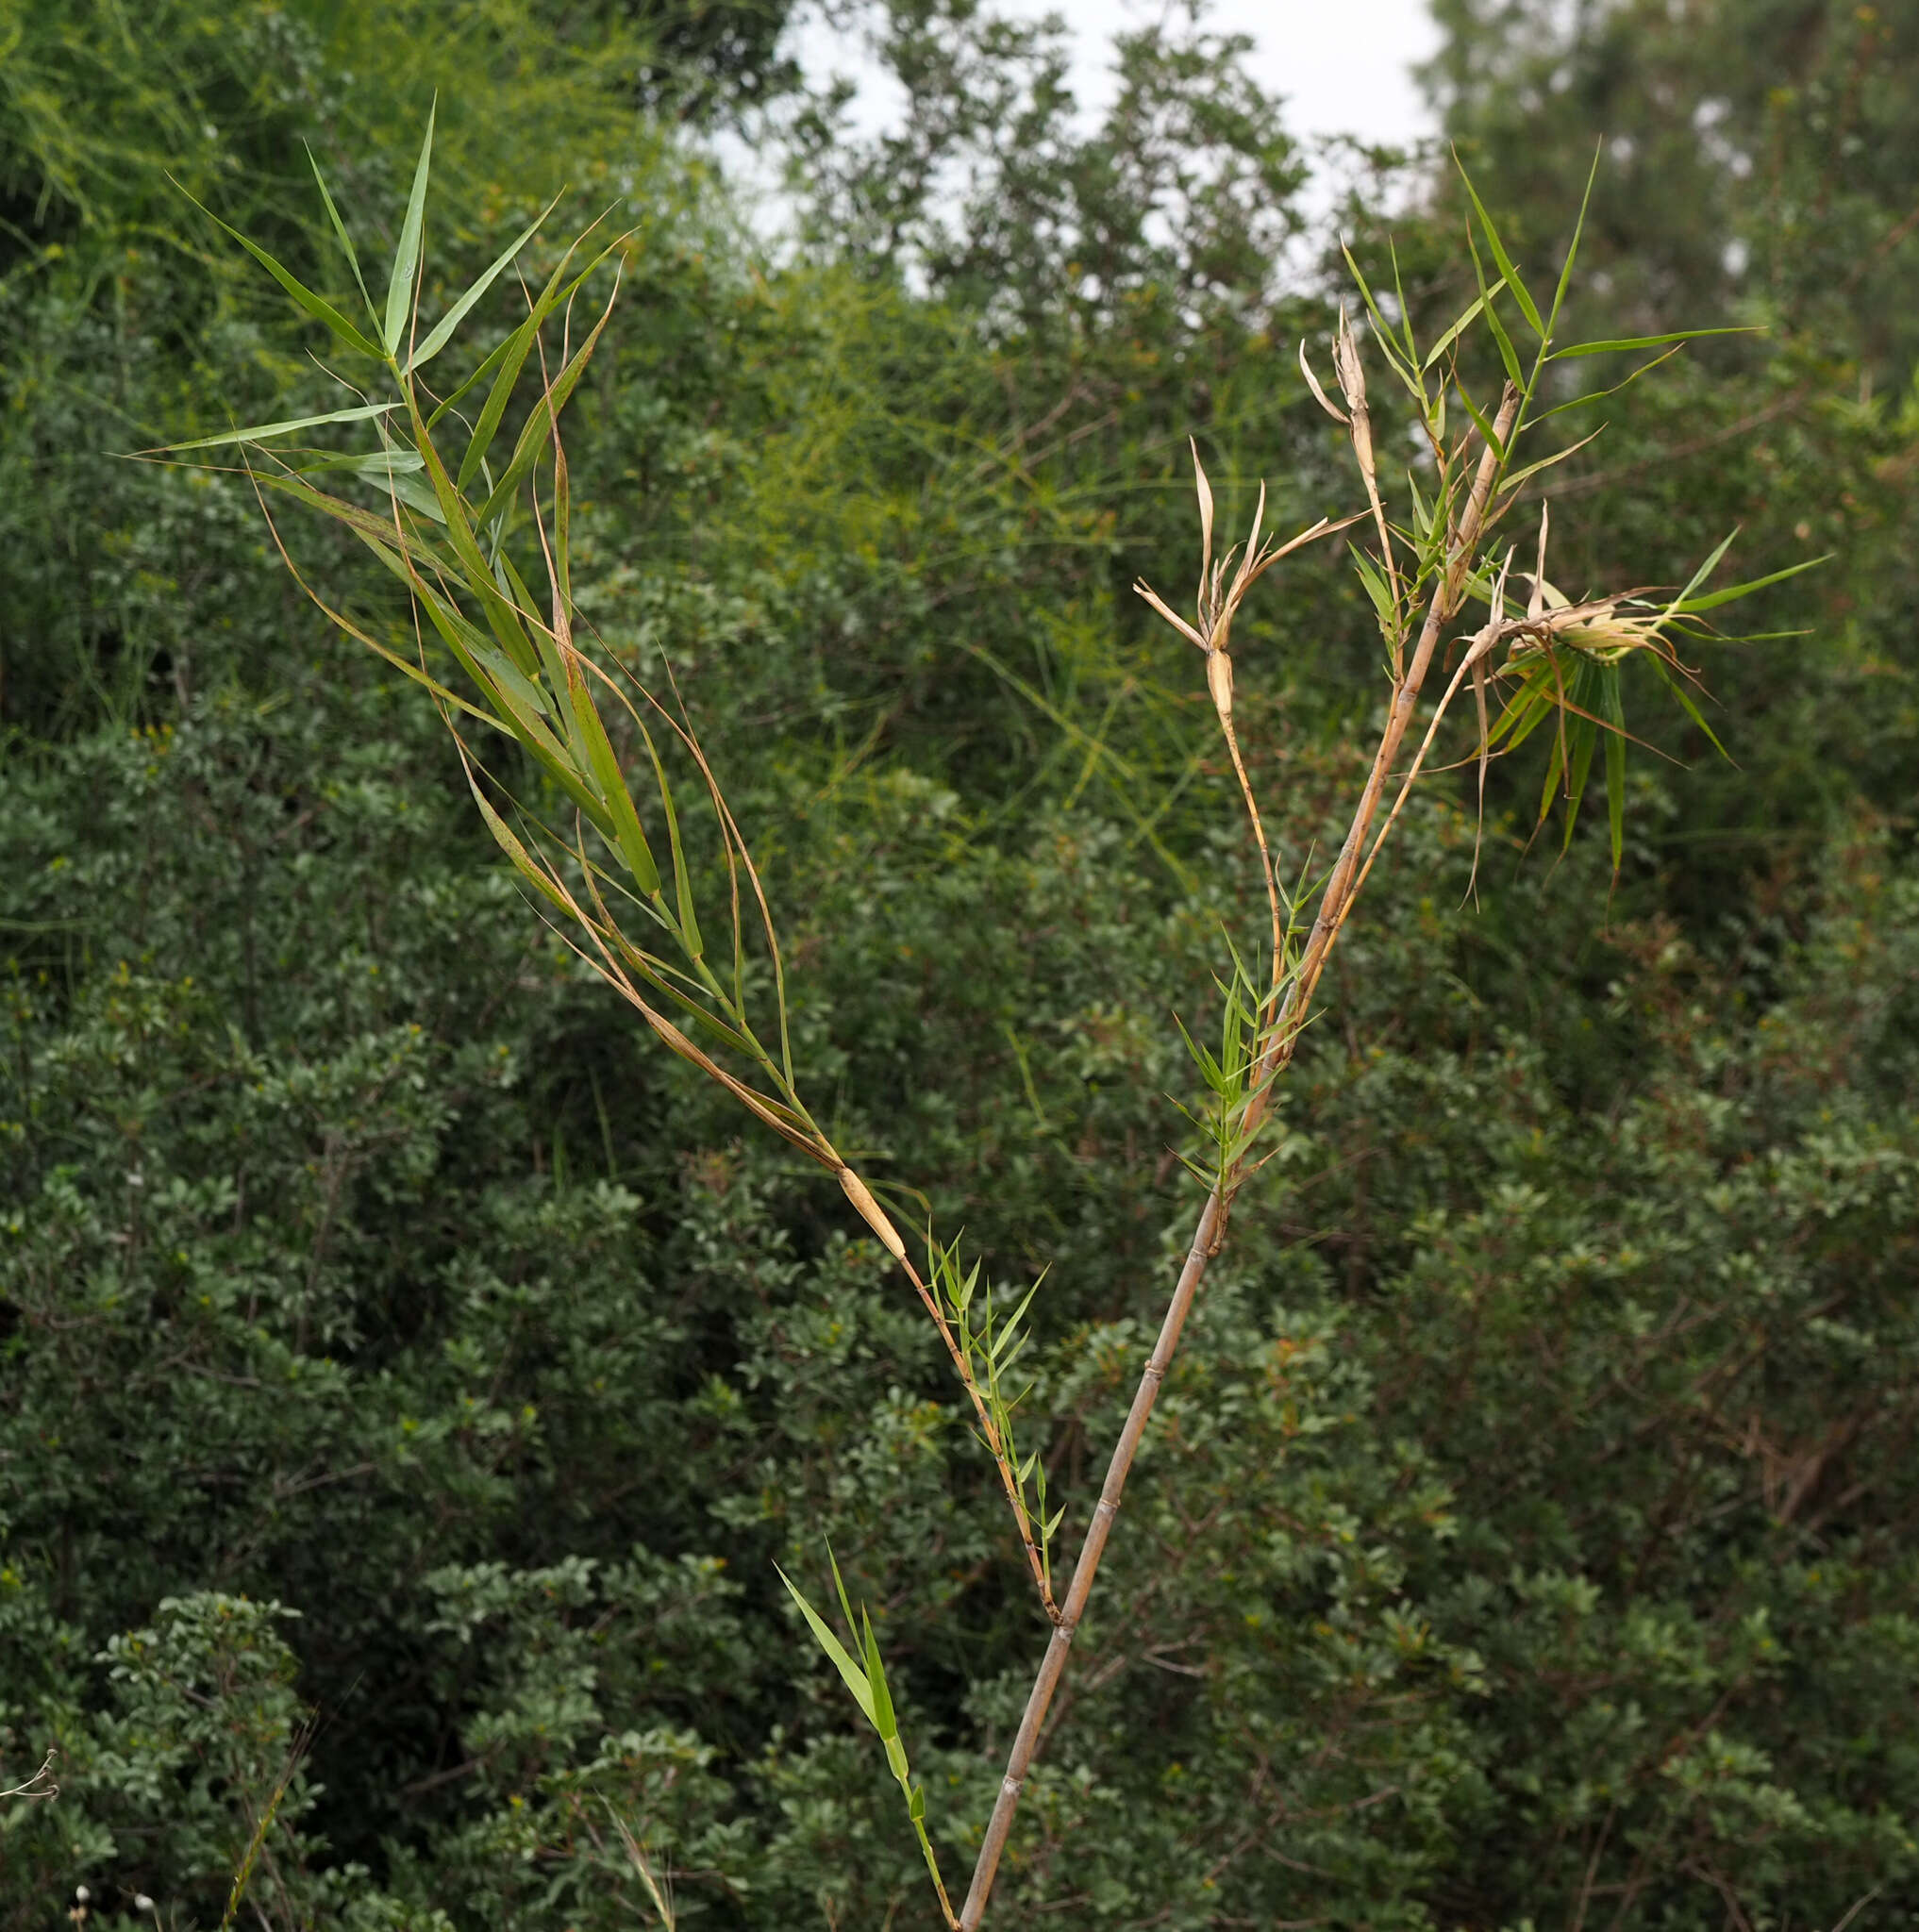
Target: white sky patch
1343, 66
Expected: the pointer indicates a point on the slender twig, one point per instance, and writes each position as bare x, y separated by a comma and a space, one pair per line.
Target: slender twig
1282, 1039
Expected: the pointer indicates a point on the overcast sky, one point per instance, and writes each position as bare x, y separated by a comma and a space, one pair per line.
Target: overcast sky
1343, 65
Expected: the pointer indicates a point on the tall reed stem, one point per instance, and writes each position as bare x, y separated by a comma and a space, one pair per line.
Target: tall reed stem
1342, 888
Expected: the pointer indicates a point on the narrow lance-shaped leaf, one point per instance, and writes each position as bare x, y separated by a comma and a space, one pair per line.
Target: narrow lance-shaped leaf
345, 240
1452, 335
316, 306
502, 617
504, 364
606, 768
1520, 293
544, 419
510, 845
262, 431
441, 332
1508, 354
1620, 343
1382, 329
1565, 281
1595, 395
407, 256
1687, 606
853, 1675
682, 877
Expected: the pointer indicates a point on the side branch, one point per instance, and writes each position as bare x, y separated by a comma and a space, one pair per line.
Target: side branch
1291, 1003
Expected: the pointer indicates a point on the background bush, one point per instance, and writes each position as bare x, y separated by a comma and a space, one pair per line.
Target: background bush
389, 1336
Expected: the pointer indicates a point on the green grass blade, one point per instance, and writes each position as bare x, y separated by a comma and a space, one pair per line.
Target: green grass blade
1520, 293
1405, 311
351, 253
1480, 421
316, 306
1559, 455
1452, 335
682, 877
412, 492
544, 419
1594, 396
1687, 606
441, 332
1691, 710
606, 768
1705, 571
1613, 709
373, 466
1618, 343
1508, 354
262, 431
1582, 738
508, 843
407, 256
837, 1653
501, 617
1382, 328
1565, 281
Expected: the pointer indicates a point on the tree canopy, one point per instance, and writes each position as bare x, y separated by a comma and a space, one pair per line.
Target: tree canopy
410, 1379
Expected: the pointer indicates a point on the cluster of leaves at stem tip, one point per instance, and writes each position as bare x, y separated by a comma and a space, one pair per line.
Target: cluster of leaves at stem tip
1227, 1123
1563, 658
993, 1343
447, 523
458, 515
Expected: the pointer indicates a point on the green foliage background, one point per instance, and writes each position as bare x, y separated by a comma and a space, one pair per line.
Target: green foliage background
387, 1334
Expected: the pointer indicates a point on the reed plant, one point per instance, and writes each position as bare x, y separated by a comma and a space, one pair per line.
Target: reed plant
591, 783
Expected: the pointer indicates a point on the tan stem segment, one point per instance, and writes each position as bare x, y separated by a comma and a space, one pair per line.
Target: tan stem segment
1053, 1666
1334, 905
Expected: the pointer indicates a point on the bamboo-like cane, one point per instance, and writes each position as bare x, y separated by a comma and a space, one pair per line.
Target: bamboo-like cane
1335, 902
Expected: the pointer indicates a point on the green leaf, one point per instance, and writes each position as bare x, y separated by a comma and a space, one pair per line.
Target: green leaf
1447, 341
884, 1721
606, 768
1688, 607
1565, 281
1480, 421
379, 464
1582, 736
1520, 476
682, 877
1594, 396
1404, 310
544, 419
414, 493
262, 431
316, 306
1691, 710
1624, 342
442, 330
1528, 307
503, 619
340, 229
841, 1660
407, 256
503, 363
1508, 354
1382, 329
1705, 571
514, 850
